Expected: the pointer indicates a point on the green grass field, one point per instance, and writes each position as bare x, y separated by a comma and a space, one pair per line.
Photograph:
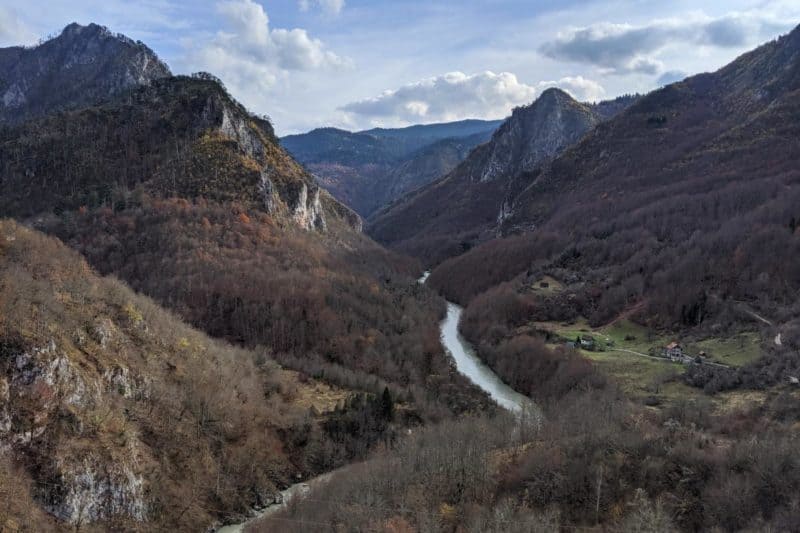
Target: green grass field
734, 351
642, 377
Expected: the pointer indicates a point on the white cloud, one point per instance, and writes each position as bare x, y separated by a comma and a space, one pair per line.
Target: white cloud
333, 7
248, 52
456, 96
580, 88
625, 48
671, 76
12, 30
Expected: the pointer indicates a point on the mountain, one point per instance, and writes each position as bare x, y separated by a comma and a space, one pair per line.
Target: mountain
178, 191
681, 207
82, 65
378, 145
159, 138
423, 134
464, 207
368, 169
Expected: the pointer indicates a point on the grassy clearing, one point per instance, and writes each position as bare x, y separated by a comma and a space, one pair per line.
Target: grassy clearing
639, 376
547, 286
621, 334
310, 393
643, 377
734, 351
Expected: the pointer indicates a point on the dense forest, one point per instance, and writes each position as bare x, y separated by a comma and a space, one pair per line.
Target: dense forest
115, 410
345, 310
598, 462
681, 220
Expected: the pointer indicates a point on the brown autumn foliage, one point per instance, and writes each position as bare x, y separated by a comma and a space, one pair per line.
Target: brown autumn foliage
335, 306
684, 216
97, 378
598, 461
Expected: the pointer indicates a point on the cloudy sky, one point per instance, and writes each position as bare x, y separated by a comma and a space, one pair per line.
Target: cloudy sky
361, 63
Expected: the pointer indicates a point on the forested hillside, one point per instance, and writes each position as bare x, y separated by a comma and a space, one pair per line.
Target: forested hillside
685, 204
114, 411
180, 192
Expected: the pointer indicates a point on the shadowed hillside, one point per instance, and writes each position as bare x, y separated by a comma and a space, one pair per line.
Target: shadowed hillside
684, 204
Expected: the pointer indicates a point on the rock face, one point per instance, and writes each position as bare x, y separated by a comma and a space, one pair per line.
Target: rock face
37, 387
83, 65
93, 490
306, 207
532, 135
465, 207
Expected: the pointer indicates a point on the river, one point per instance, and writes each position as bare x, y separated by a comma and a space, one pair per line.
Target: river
470, 365
298, 489
467, 363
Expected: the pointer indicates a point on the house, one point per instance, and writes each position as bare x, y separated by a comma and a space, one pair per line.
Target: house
587, 342
674, 351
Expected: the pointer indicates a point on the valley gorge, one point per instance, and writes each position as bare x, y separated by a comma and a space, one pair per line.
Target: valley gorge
580, 317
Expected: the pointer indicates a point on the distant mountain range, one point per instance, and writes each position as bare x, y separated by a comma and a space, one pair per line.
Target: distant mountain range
366, 170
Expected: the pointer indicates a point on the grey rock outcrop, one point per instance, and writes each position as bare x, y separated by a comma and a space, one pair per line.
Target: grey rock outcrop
80, 487
83, 65
532, 135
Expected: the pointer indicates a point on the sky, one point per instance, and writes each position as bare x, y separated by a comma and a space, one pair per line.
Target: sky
357, 64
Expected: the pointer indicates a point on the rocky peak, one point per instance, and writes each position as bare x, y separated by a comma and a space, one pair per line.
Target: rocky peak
531, 135
83, 65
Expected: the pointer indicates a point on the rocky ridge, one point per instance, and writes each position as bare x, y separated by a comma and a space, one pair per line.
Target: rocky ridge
82, 65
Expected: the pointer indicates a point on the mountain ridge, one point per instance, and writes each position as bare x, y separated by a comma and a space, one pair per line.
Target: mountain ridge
82, 65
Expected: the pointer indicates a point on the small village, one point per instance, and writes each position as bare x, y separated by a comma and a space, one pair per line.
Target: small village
674, 351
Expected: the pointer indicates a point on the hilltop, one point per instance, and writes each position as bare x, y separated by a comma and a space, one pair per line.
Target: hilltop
82, 65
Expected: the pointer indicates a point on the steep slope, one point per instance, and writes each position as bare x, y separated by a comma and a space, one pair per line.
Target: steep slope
462, 208
114, 412
685, 204
82, 65
185, 195
369, 169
